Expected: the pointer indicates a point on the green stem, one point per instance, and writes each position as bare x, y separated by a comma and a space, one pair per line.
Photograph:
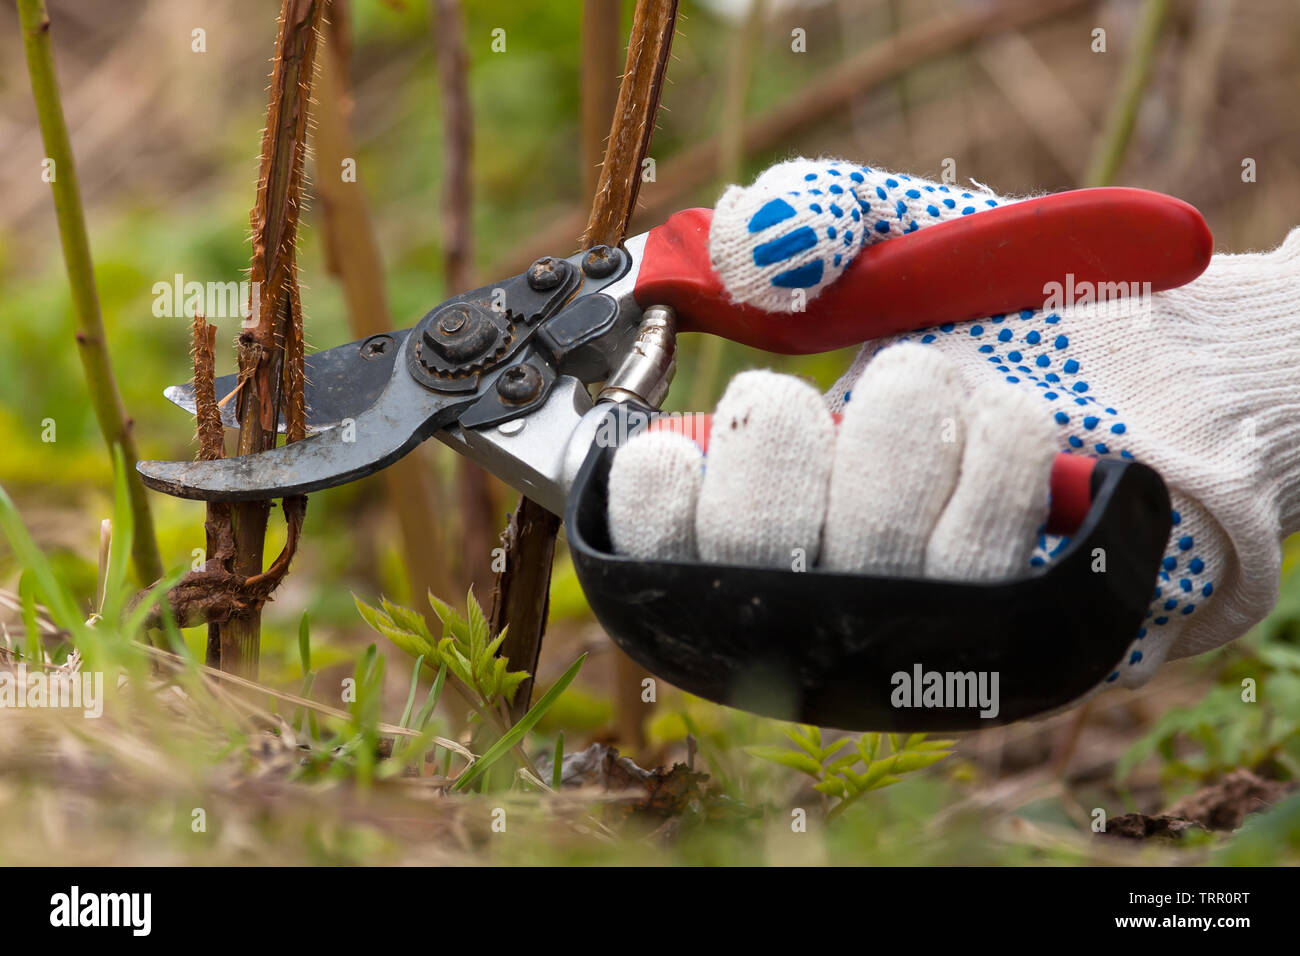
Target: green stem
92, 344
1114, 139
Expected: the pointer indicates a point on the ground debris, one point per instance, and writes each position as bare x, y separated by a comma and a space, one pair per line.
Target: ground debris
1223, 805
658, 792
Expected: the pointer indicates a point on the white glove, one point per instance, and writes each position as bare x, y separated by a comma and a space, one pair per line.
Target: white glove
1201, 382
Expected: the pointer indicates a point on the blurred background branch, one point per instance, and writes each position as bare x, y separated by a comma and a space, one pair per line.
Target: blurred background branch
1122, 117
475, 502
352, 256
59, 169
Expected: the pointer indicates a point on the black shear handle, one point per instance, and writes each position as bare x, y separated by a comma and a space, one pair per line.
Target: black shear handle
887, 654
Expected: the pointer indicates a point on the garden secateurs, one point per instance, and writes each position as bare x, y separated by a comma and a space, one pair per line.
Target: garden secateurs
540, 377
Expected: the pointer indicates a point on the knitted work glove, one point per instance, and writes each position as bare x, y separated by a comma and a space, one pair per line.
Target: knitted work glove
1201, 382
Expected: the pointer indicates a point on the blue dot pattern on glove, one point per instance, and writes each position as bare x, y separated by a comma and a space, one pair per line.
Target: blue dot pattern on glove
837, 192
803, 222
833, 191
1029, 349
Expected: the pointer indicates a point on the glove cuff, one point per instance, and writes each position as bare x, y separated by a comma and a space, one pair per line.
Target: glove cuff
1246, 338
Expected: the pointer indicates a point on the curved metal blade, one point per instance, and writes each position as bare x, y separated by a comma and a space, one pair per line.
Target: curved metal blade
342, 382
404, 416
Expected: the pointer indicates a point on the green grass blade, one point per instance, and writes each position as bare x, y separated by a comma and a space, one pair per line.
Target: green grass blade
410, 697
134, 622
63, 609
557, 772
300, 713
119, 548
430, 702
31, 627
175, 639
304, 643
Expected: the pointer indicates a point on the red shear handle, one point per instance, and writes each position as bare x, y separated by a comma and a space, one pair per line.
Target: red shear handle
999, 260
1071, 479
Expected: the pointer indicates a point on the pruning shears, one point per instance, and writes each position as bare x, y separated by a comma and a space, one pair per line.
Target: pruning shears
539, 377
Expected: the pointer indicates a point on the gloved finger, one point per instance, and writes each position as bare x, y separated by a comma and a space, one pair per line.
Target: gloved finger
989, 527
801, 223
763, 497
654, 483
897, 457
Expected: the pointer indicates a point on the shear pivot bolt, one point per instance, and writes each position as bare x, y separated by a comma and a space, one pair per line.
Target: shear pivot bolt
460, 333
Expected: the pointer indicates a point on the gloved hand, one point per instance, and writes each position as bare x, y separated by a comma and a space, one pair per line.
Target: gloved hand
940, 465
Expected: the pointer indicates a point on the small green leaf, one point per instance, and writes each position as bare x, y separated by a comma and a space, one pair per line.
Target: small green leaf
494, 645
832, 787
835, 747
877, 770
498, 674
510, 684
479, 630
805, 742
453, 625
456, 661
848, 760
794, 759
918, 760
407, 619
854, 783
412, 644
372, 615
869, 745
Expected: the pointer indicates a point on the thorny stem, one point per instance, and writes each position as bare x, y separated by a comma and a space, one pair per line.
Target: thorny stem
92, 345
211, 435
633, 125
271, 352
